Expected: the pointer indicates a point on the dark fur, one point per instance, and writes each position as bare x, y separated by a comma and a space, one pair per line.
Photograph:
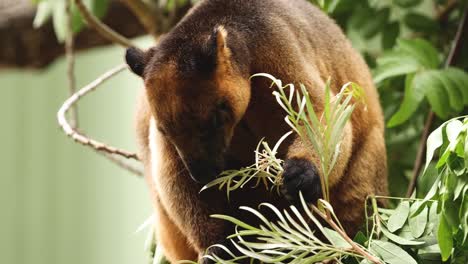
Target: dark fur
197, 78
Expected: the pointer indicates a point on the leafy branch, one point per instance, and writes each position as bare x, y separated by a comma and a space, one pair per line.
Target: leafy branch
291, 239
288, 239
454, 53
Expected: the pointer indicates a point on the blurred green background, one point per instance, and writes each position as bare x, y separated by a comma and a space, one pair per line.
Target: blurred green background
60, 201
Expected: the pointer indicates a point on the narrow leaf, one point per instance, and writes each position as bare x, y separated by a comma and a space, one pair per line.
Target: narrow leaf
444, 237
411, 101
434, 141
336, 239
400, 240
417, 222
392, 253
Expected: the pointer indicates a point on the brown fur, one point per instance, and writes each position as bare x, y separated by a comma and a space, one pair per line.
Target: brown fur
294, 42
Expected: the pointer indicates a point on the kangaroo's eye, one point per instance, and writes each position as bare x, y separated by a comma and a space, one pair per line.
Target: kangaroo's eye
162, 130
221, 115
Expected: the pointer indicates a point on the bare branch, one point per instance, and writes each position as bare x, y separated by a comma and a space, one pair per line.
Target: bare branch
70, 56
102, 28
145, 15
122, 164
80, 137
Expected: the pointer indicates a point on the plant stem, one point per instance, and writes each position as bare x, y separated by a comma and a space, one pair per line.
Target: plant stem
345, 236
69, 52
453, 55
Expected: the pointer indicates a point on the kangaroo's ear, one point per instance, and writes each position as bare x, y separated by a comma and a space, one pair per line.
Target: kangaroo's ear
217, 52
223, 53
136, 60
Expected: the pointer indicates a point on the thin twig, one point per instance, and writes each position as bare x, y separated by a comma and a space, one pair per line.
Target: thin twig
80, 137
100, 27
122, 164
453, 55
444, 12
144, 14
69, 51
358, 249
420, 154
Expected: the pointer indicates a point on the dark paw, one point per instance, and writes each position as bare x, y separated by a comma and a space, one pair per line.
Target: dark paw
301, 175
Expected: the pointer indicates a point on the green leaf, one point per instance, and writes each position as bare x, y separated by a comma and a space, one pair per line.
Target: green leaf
400, 240
360, 238
453, 129
454, 92
411, 101
398, 219
466, 150
417, 222
420, 22
60, 20
435, 92
421, 49
425, 83
361, 17
99, 7
464, 218
44, 12
431, 252
371, 28
336, 239
391, 253
434, 141
460, 78
331, 5
395, 64
390, 35
407, 3
405, 232
444, 237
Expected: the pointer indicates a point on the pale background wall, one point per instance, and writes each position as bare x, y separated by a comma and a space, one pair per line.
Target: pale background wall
60, 202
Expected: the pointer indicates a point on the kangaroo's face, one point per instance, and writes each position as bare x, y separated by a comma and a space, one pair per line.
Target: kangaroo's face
197, 112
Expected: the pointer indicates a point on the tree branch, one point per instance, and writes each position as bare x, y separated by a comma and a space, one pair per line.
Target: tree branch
81, 137
69, 49
450, 61
22, 45
100, 27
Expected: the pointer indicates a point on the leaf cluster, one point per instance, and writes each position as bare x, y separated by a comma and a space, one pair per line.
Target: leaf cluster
56, 10
417, 60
